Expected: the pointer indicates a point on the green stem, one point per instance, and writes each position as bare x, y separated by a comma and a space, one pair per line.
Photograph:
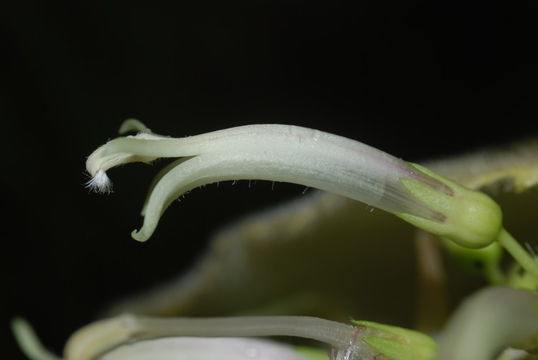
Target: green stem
494, 275
524, 259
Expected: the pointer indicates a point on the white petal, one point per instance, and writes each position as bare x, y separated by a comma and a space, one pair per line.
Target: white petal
193, 348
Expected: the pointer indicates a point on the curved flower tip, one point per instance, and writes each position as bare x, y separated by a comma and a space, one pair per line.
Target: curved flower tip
135, 125
100, 183
297, 155
140, 235
28, 341
102, 160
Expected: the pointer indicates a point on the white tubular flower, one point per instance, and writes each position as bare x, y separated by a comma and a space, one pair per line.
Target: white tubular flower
129, 337
117, 339
269, 152
102, 336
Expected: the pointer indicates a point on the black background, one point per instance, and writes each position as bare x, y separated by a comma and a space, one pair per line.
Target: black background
419, 79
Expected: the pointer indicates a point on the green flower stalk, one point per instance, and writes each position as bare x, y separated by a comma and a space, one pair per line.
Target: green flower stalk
486, 260
312, 158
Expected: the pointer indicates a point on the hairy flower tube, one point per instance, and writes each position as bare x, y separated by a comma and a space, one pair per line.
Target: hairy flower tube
314, 159
266, 152
131, 337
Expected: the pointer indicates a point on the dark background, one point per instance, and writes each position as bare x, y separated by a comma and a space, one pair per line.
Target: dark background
419, 79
